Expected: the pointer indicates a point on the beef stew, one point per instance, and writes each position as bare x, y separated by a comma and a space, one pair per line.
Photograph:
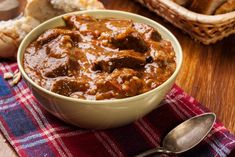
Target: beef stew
99, 59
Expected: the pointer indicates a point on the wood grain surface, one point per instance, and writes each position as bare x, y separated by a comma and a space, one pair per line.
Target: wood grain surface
207, 74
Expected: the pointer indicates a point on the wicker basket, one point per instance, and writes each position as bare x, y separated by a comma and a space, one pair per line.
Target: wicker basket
207, 29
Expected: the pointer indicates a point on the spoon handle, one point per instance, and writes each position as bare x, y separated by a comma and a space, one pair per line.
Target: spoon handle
153, 151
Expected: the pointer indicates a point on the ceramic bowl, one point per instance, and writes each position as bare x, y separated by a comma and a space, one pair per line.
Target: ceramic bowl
99, 114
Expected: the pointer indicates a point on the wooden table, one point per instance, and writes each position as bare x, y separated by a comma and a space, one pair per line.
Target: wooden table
208, 72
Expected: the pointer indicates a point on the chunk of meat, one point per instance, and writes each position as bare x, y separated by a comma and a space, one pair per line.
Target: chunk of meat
54, 33
154, 35
58, 62
147, 32
165, 53
129, 41
77, 21
59, 47
120, 83
129, 81
66, 86
124, 59
54, 67
86, 25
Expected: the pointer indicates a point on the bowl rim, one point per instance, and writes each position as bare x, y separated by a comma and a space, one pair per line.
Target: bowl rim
20, 53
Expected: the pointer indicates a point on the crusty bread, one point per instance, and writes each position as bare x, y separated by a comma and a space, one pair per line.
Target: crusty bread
226, 7
45, 9
5, 49
41, 10
205, 6
36, 11
73, 5
12, 32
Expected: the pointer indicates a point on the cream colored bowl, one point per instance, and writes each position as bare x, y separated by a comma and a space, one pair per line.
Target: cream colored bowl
103, 113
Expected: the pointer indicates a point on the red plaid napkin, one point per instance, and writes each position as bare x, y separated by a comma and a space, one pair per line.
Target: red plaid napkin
34, 132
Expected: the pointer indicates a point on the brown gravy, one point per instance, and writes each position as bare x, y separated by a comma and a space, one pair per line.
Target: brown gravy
99, 59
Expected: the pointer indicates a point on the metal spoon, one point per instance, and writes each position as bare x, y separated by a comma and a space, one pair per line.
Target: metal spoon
185, 136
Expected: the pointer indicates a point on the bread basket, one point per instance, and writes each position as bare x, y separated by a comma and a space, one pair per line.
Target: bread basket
206, 29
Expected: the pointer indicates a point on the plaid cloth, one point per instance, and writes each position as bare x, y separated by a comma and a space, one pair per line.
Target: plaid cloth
34, 132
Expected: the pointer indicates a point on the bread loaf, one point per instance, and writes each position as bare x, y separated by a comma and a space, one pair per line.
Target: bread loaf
226, 7
207, 7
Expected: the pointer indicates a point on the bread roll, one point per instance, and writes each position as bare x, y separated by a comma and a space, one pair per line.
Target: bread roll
73, 5
45, 9
205, 6
12, 32
41, 10
8, 46
226, 7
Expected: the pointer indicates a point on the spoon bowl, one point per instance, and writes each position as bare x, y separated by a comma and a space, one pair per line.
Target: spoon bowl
185, 136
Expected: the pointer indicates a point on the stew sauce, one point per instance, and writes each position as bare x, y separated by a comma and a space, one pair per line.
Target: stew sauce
99, 59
